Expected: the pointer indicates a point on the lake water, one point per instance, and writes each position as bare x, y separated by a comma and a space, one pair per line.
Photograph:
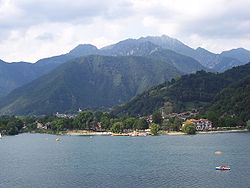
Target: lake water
36, 160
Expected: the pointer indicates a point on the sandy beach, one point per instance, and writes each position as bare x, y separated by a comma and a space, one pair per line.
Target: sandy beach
87, 133
172, 133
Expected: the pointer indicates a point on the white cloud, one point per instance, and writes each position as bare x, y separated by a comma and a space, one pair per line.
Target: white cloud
30, 30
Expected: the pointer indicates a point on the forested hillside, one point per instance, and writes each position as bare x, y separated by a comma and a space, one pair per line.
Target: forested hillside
193, 91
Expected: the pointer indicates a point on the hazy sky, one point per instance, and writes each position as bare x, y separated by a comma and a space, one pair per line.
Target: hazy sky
33, 29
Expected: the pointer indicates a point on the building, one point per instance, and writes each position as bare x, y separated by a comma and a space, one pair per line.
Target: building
42, 126
202, 124
182, 115
70, 116
149, 119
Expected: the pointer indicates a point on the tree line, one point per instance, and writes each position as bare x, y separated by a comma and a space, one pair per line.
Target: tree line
102, 121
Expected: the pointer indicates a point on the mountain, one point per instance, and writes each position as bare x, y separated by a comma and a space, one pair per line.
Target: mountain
183, 63
133, 47
88, 82
167, 42
130, 47
164, 48
13, 75
16, 75
47, 64
83, 50
192, 91
241, 54
206, 58
216, 61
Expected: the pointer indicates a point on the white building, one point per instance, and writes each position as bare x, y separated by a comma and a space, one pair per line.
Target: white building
202, 124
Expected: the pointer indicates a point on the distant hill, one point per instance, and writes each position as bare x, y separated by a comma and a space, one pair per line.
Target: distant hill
241, 54
216, 62
189, 92
13, 75
183, 63
88, 82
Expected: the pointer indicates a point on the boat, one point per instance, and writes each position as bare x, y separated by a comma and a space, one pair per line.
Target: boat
224, 167
1, 136
58, 139
218, 153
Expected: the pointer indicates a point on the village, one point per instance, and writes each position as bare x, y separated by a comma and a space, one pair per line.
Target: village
184, 118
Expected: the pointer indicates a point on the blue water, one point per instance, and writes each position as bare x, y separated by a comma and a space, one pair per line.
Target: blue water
36, 160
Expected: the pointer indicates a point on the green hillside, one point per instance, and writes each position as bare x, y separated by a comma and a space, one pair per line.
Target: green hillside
233, 101
88, 82
189, 92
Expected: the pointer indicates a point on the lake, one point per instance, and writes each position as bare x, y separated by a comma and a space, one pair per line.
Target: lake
37, 160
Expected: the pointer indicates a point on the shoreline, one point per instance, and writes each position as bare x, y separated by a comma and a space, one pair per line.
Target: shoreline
132, 134
223, 131
87, 133
173, 133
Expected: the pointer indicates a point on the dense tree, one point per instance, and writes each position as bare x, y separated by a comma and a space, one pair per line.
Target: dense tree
157, 117
166, 125
213, 117
105, 120
12, 129
189, 128
141, 124
154, 129
248, 125
85, 120
129, 123
58, 124
233, 101
117, 127
171, 124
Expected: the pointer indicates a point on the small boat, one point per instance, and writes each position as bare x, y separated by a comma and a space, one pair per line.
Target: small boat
218, 153
1, 136
58, 139
222, 168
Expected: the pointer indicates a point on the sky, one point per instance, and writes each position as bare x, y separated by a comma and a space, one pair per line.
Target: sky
35, 29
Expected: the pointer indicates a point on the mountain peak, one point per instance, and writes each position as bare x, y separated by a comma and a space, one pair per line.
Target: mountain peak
239, 53
238, 50
199, 49
162, 38
1, 61
84, 49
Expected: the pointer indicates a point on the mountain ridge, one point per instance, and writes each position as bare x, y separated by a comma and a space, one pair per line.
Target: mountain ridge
144, 46
88, 82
